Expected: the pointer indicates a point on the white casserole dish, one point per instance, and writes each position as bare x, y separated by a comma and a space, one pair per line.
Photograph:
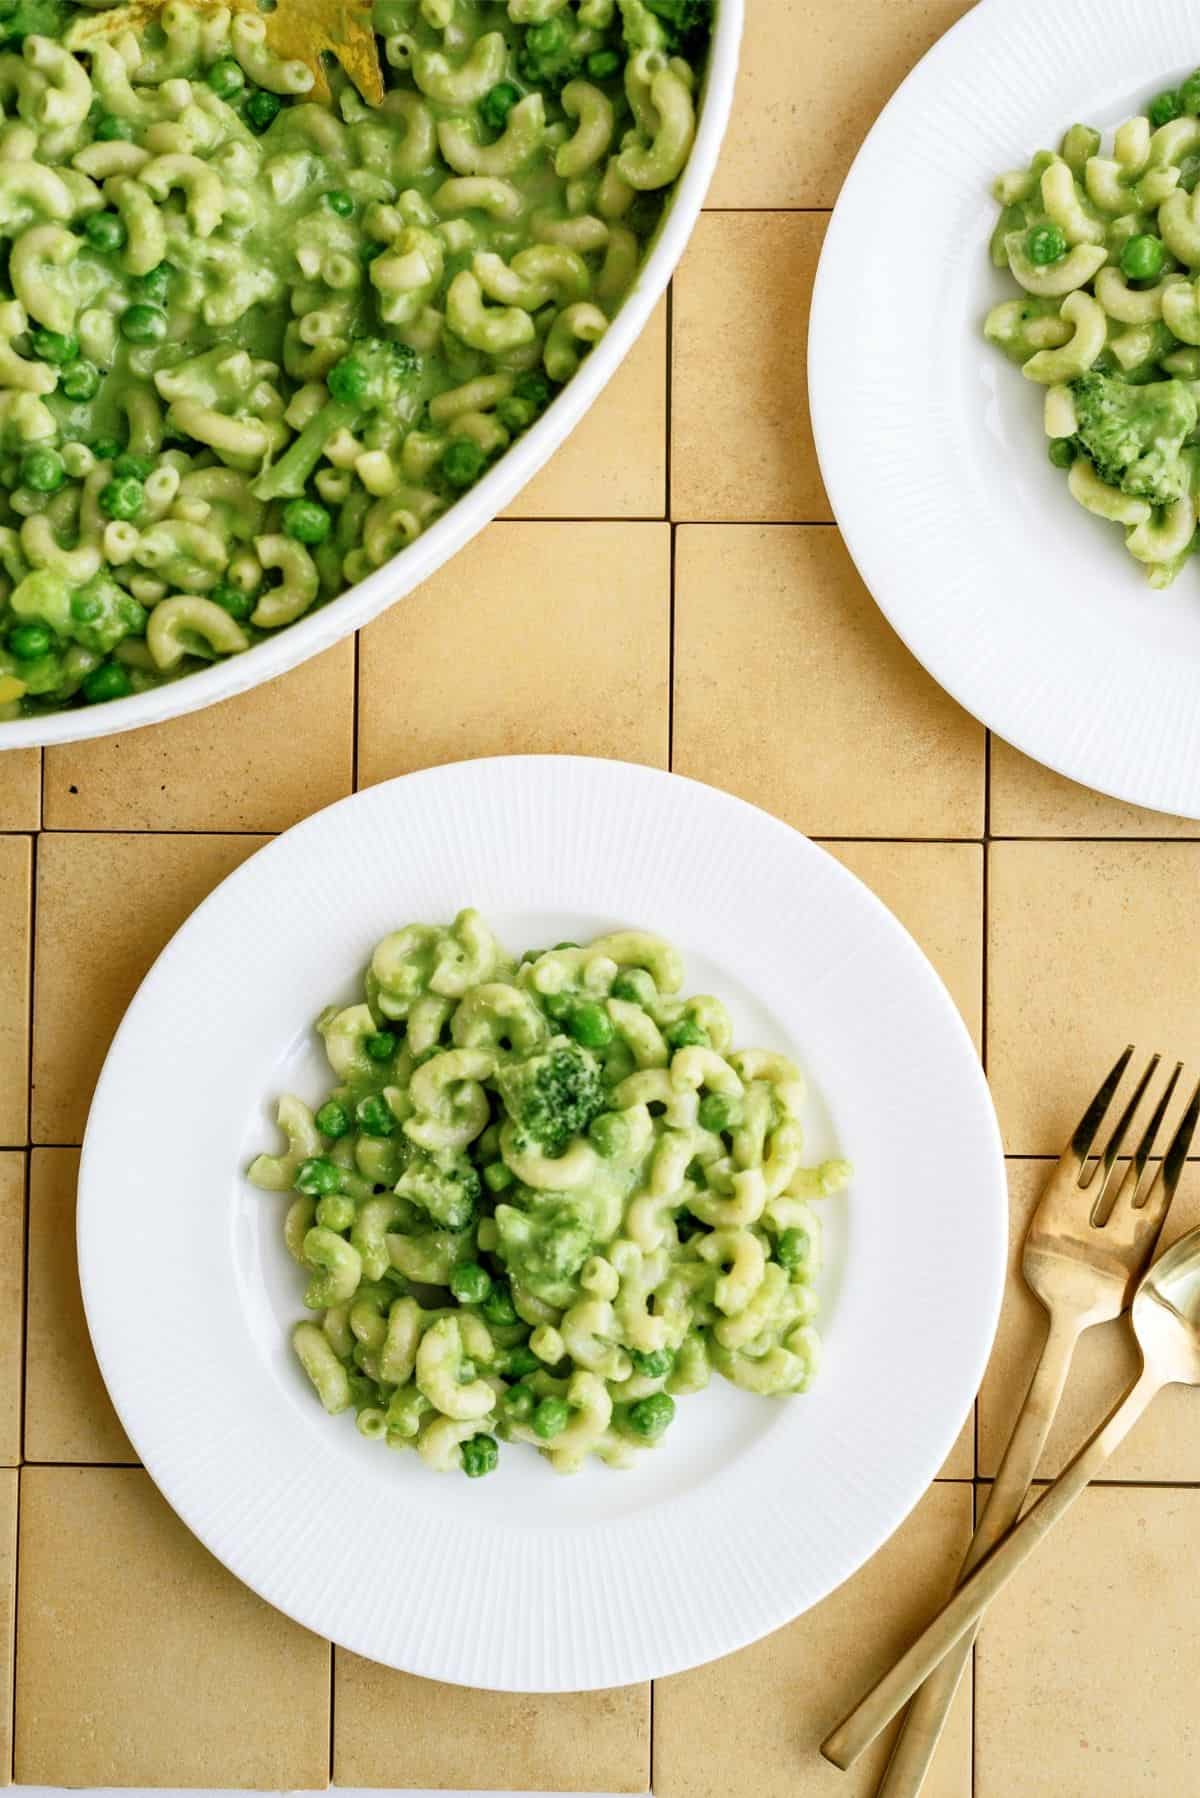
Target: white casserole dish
327, 625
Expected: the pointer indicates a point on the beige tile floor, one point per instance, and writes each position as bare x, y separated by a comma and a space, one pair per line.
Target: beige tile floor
712, 623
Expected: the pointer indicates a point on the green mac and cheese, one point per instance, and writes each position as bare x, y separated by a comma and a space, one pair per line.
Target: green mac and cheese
251, 346
544, 1201
1107, 251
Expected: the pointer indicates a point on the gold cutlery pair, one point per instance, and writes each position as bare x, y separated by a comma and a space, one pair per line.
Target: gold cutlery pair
1086, 1249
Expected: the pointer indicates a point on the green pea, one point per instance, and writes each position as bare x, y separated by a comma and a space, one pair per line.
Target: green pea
718, 1112
519, 1401
226, 78
154, 285
521, 1361
609, 1133
649, 1417
336, 1211
535, 388
143, 324
498, 1306
261, 108
1143, 258
333, 1120
514, 414
55, 346
1045, 244
550, 1418
558, 1006
590, 1025
635, 986
42, 471
470, 1283
108, 681
306, 521
498, 1177
381, 1046
685, 1033
122, 499
105, 448
601, 64
792, 1249
496, 105
28, 641
1061, 451
480, 1455
462, 463
236, 603
104, 231
340, 202
110, 129
1163, 108
317, 1176
81, 381
85, 606
655, 1365
374, 1116
137, 466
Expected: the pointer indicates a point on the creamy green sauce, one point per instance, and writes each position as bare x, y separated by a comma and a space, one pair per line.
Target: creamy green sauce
251, 346
544, 1201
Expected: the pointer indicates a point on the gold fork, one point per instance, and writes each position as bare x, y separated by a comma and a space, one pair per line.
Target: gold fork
1086, 1247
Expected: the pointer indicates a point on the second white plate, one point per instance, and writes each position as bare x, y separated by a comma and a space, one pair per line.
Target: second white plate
752, 1509
1023, 606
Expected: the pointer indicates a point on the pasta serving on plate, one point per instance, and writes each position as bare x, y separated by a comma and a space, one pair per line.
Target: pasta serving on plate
544, 1201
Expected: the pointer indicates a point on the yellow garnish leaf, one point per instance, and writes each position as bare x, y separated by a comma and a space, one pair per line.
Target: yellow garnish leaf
297, 30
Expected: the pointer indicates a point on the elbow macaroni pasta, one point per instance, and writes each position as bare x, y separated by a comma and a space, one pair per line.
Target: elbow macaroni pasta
195, 247
543, 1200
1107, 251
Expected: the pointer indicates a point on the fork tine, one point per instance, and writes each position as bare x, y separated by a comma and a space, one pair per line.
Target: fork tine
1112, 1147
1141, 1155
1169, 1169
1093, 1117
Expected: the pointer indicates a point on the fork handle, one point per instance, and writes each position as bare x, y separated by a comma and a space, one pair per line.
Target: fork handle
972, 1598
922, 1727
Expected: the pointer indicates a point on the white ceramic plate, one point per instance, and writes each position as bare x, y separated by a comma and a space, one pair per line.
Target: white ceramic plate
467, 517
1025, 608
750, 1510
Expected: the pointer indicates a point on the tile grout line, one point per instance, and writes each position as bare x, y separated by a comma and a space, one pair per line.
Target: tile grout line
11, 1769
354, 717
815, 834
332, 1702
667, 470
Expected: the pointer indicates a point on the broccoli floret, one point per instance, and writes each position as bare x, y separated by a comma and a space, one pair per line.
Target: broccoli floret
445, 1185
374, 376
685, 21
1134, 435
548, 57
20, 19
676, 27
102, 614
554, 1096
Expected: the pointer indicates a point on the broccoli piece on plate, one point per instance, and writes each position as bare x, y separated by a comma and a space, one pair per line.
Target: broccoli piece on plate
555, 1095
1134, 435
